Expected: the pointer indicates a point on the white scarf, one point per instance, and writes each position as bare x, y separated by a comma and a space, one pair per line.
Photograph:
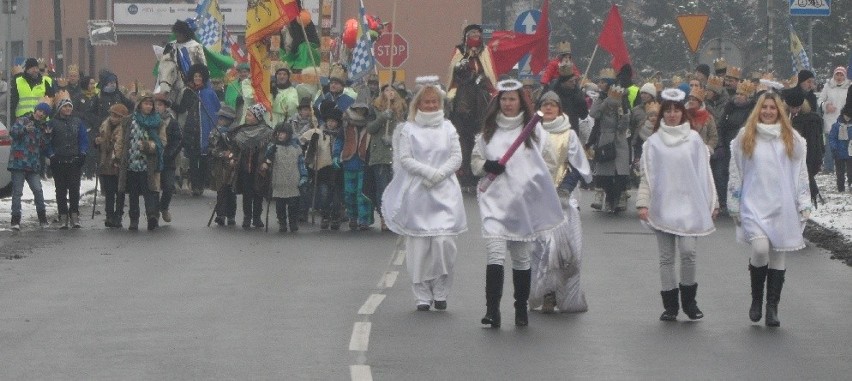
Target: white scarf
558, 125
770, 131
674, 135
429, 119
509, 123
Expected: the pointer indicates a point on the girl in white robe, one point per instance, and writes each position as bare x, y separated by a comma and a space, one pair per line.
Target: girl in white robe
521, 203
769, 198
677, 200
558, 257
423, 202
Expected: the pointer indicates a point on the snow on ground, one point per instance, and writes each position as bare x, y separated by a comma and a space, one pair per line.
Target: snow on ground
836, 214
28, 208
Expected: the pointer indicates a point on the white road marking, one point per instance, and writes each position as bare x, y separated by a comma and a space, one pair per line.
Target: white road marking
360, 373
371, 304
400, 258
388, 279
360, 339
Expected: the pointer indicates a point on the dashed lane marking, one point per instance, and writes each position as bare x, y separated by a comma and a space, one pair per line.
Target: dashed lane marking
388, 279
360, 373
360, 339
400, 258
371, 304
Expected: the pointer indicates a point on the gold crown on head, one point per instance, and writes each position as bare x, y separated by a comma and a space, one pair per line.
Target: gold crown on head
563, 47
652, 108
746, 88
676, 80
715, 83
720, 63
734, 72
615, 91
698, 93
607, 73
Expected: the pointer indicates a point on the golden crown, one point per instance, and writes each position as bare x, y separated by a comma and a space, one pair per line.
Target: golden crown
715, 82
607, 73
720, 64
563, 47
734, 72
746, 88
698, 93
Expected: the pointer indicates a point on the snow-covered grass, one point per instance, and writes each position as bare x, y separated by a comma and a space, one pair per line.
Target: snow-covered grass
28, 207
836, 214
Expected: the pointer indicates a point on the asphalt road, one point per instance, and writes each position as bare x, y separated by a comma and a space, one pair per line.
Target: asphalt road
190, 302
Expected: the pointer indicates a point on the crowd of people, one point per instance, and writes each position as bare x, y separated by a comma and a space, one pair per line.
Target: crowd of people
713, 143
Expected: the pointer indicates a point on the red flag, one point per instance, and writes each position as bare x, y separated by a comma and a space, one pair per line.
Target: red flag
507, 47
612, 39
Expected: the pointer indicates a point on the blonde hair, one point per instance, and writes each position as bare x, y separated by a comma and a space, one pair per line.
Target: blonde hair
415, 102
397, 105
750, 128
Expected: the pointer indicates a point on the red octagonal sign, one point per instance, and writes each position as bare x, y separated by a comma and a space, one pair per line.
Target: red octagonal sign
386, 52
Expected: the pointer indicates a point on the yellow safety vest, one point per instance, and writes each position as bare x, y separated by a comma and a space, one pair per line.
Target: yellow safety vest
28, 98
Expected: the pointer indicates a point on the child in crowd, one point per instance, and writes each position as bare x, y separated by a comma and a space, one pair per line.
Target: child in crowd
287, 173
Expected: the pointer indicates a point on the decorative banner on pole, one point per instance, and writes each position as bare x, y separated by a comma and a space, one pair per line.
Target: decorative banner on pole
693, 27
102, 32
810, 7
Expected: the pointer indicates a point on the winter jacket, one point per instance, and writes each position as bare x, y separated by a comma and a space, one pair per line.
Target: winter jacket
839, 147
196, 110
809, 125
319, 146
122, 157
352, 149
381, 131
27, 146
573, 104
834, 93
220, 157
67, 141
702, 122
611, 125
249, 147
26, 93
286, 168
284, 104
732, 120
175, 140
108, 136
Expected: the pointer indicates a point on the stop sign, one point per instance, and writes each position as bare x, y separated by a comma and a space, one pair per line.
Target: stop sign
384, 50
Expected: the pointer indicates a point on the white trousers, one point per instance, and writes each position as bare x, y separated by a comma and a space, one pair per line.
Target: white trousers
435, 289
669, 245
430, 262
519, 250
762, 255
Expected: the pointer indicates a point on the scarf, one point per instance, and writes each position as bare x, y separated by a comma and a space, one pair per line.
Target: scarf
429, 119
771, 131
510, 123
674, 135
151, 124
558, 125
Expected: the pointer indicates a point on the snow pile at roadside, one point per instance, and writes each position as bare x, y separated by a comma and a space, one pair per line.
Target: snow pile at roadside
836, 213
28, 207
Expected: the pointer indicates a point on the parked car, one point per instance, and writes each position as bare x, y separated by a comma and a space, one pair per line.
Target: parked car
5, 175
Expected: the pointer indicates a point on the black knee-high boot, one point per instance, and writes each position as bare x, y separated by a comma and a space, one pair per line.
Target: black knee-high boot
670, 305
493, 294
688, 303
521, 281
758, 278
774, 283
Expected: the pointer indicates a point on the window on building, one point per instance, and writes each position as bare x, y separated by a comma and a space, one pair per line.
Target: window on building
68, 54
39, 49
82, 54
17, 49
51, 49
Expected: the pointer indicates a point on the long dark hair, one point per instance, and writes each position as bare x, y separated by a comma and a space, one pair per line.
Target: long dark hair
668, 105
490, 124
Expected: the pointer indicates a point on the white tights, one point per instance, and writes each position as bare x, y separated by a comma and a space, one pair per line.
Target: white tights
762, 255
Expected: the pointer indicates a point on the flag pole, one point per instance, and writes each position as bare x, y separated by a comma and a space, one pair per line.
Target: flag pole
586, 73
393, 44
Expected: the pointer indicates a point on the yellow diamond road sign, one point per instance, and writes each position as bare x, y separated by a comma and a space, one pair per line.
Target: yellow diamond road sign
693, 27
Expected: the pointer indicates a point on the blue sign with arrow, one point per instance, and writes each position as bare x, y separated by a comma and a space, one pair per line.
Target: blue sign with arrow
526, 23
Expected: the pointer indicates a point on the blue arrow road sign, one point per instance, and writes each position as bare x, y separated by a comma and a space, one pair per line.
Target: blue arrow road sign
526, 22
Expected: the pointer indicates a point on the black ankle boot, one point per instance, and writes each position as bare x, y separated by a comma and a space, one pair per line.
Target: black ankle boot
758, 278
688, 303
521, 281
670, 304
493, 294
774, 283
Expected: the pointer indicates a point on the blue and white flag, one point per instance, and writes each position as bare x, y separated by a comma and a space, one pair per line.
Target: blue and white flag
363, 61
209, 23
798, 53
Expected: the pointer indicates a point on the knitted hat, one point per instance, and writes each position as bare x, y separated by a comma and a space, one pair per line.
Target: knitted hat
258, 110
794, 98
30, 62
805, 75
470, 28
550, 96
119, 109
335, 114
839, 69
226, 112
649, 88
43, 107
64, 102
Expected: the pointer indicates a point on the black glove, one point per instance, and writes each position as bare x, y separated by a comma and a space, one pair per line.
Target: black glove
570, 181
492, 166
